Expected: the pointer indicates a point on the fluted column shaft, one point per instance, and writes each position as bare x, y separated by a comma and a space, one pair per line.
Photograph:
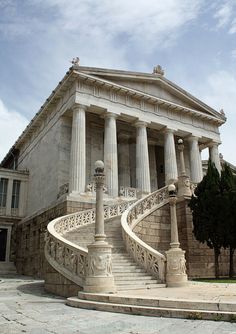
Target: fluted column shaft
124, 160
110, 154
142, 158
195, 162
78, 151
214, 155
171, 172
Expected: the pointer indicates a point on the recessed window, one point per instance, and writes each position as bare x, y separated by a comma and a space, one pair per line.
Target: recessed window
3, 192
15, 194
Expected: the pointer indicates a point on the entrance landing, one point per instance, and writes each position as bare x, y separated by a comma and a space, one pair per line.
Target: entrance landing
208, 301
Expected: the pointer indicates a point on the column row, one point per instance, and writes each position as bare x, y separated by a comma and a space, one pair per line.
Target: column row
144, 155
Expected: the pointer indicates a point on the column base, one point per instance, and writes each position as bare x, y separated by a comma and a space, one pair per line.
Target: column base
99, 278
176, 270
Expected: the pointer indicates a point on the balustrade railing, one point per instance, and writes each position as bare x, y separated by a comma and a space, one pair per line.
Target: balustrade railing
150, 259
128, 192
66, 257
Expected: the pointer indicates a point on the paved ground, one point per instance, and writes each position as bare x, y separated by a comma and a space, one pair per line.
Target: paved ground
26, 308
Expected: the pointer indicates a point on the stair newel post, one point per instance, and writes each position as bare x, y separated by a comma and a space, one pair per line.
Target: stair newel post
99, 278
183, 180
176, 269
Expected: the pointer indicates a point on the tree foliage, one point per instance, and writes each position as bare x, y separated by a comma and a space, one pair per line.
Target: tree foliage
205, 206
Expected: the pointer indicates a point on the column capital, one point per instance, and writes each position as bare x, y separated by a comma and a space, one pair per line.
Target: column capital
110, 115
213, 143
168, 130
192, 138
78, 107
140, 124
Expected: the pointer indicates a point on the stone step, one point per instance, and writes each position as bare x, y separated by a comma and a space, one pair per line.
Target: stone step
140, 305
127, 274
133, 280
127, 270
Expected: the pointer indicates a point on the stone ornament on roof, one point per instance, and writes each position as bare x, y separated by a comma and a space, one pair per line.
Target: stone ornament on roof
75, 61
222, 112
158, 70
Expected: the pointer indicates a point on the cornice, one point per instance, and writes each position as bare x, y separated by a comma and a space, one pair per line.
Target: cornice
120, 89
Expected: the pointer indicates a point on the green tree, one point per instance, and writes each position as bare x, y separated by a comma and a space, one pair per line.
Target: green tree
228, 214
206, 205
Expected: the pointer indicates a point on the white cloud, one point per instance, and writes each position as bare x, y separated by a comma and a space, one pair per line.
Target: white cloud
134, 20
11, 126
219, 92
225, 15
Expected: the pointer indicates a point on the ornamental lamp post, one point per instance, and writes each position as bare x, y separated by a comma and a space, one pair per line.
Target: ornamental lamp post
98, 276
175, 256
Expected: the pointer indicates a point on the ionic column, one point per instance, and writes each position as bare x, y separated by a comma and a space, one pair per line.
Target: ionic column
142, 159
195, 162
124, 159
78, 151
214, 155
110, 154
153, 165
171, 172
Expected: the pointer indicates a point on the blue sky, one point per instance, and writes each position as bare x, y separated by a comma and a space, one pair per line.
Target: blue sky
193, 40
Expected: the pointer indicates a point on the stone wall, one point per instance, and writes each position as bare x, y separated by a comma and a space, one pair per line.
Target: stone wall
30, 258
58, 284
155, 229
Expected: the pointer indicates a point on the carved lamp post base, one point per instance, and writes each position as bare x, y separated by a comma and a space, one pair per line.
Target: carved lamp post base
99, 278
176, 270
184, 186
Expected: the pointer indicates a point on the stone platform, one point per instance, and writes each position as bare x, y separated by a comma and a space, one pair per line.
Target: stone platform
208, 301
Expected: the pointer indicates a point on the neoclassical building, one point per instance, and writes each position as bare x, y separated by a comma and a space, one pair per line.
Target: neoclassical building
130, 120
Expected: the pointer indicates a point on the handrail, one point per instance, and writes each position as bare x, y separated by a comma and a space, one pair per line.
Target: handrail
66, 257
150, 259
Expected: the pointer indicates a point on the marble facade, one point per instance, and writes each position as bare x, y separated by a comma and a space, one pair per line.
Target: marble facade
132, 121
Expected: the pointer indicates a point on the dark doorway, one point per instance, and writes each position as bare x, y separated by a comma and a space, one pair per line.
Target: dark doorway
3, 243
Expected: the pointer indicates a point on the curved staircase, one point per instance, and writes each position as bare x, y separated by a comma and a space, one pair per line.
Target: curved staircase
127, 274
135, 265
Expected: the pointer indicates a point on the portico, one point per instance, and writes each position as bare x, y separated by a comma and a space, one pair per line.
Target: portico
127, 143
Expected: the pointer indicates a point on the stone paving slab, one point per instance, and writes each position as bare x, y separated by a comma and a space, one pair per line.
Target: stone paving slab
26, 308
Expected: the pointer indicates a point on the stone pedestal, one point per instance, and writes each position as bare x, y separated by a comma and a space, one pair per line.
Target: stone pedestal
184, 186
176, 269
99, 278
175, 256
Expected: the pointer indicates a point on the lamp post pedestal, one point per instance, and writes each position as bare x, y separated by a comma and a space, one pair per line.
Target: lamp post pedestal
99, 278
176, 269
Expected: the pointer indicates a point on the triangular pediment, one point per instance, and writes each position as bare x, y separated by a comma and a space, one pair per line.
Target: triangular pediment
154, 85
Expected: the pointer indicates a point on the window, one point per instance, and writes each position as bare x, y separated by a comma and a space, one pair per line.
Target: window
3, 192
15, 194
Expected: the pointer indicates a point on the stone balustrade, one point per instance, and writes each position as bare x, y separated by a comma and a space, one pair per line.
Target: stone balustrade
150, 259
66, 257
